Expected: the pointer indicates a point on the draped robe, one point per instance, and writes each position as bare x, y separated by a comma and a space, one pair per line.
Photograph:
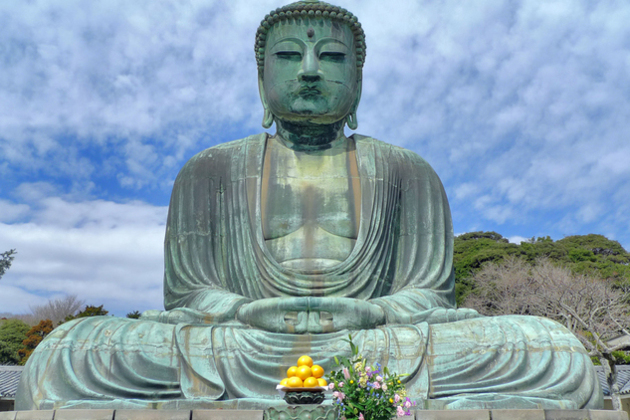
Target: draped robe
216, 260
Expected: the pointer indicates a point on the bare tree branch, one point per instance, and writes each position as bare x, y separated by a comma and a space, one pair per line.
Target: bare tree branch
57, 310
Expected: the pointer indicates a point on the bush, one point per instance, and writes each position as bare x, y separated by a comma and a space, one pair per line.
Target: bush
12, 334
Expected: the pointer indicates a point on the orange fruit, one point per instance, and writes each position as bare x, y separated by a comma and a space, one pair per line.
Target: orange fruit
294, 382
303, 372
284, 382
310, 382
322, 382
318, 371
291, 371
305, 361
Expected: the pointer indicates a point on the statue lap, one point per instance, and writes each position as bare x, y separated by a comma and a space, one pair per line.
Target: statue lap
499, 362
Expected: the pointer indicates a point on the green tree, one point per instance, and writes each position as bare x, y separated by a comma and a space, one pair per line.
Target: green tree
34, 336
471, 251
134, 315
6, 258
12, 334
582, 254
87, 312
538, 248
598, 254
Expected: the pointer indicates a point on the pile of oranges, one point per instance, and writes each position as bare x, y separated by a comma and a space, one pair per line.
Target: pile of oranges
305, 374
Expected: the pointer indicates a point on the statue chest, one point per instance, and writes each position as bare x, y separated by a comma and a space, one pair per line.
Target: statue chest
310, 204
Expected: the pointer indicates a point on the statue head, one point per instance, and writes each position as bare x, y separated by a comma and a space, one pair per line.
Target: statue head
310, 56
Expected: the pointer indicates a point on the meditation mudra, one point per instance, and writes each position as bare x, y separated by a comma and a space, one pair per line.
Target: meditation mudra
282, 245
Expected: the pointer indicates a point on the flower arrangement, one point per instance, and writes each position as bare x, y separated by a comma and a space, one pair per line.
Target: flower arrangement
365, 392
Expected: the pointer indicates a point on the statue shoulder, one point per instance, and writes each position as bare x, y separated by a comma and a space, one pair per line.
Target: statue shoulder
215, 159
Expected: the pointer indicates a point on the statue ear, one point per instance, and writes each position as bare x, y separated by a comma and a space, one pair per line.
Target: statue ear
268, 116
351, 119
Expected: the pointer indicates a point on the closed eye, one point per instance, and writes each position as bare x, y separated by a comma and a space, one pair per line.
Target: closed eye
289, 55
336, 57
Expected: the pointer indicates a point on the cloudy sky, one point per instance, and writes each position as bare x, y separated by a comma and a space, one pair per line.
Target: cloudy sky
521, 106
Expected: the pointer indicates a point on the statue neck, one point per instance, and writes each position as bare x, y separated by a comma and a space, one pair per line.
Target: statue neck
311, 136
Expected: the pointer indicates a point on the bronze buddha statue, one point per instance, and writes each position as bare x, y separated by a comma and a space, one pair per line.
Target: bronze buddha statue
281, 245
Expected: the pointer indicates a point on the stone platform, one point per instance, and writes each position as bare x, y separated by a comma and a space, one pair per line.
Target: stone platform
306, 413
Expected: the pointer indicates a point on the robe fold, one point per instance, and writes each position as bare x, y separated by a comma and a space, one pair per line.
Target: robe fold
216, 258
216, 261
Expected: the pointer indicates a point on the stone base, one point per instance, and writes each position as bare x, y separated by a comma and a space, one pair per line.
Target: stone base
306, 412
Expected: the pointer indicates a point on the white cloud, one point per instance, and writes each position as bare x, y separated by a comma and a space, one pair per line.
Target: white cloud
132, 74
520, 106
10, 212
517, 239
104, 252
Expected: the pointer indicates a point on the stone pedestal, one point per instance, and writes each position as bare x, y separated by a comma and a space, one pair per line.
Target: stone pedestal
307, 412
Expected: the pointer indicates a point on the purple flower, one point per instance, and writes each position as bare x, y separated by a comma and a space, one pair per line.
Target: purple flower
400, 412
346, 373
407, 403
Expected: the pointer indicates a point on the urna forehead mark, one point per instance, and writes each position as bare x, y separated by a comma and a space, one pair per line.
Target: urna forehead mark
310, 32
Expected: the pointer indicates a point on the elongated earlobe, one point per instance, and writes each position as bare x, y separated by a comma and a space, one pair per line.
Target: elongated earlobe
268, 116
351, 120
267, 119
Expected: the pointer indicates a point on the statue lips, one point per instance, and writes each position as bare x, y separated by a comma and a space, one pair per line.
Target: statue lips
309, 90
310, 99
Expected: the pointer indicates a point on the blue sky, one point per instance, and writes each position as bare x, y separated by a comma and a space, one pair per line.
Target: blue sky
521, 106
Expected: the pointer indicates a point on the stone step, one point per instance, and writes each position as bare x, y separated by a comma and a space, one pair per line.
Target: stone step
306, 413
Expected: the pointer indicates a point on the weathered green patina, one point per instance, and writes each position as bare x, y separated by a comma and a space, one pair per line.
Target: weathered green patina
281, 245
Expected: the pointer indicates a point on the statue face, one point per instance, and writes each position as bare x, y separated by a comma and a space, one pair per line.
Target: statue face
310, 73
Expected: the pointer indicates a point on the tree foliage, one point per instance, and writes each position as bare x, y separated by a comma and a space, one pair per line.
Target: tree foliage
134, 315
87, 312
6, 258
12, 334
34, 336
582, 254
597, 254
471, 251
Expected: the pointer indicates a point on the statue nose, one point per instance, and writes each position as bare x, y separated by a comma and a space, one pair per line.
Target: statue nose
310, 71
309, 77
